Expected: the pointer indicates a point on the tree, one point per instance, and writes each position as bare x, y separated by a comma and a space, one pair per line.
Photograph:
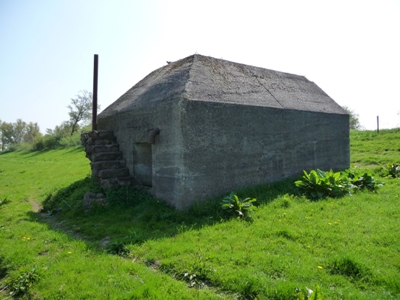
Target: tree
18, 131
354, 121
13, 134
80, 110
32, 132
7, 135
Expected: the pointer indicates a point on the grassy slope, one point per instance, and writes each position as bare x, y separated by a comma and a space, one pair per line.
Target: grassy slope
68, 267
349, 247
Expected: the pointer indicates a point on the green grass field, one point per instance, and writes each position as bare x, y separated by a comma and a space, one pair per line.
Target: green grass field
137, 247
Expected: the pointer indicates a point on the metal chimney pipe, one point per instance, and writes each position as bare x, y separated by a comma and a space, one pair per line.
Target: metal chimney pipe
95, 81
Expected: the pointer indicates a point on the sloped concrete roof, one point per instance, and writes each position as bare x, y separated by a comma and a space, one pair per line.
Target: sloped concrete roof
203, 78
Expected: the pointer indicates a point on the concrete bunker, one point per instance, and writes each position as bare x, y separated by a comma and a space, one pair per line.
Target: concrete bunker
200, 127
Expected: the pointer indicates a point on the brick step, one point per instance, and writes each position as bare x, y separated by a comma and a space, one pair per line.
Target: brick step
106, 156
113, 173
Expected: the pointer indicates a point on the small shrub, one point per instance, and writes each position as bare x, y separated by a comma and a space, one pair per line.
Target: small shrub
391, 170
319, 184
50, 142
71, 141
362, 180
193, 280
241, 207
39, 144
117, 248
308, 294
19, 285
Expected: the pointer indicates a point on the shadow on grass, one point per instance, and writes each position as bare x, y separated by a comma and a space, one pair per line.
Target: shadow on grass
28, 153
132, 216
76, 149
33, 153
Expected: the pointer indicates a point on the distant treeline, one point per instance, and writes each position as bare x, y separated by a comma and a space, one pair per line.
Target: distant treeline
27, 136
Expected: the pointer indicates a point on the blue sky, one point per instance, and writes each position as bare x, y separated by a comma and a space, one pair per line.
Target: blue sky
350, 48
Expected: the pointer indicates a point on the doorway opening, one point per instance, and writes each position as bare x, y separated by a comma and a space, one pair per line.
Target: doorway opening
144, 165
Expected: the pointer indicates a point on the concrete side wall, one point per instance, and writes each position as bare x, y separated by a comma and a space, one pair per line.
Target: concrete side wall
206, 149
132, 129
227, 147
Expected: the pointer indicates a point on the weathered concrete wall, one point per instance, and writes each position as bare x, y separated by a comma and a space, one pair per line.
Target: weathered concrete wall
206, 149
131, 129
227, 147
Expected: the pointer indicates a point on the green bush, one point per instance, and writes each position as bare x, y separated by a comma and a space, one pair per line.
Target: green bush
308, 294
38, 144
391, 170
241, 207
362, 180
20, 284
71, 140
321, 184
51, 141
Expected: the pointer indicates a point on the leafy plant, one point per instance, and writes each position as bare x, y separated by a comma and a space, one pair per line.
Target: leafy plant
391, 169
241, 207
193, 280
21, 283
319, 184
362, 180
117, 248
308, 294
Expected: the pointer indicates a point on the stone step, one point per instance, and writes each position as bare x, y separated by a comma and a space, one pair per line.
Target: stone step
113, 173
106, 156
107, 164
105, 133
102, 148
104, 141
108, 183
125, 180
